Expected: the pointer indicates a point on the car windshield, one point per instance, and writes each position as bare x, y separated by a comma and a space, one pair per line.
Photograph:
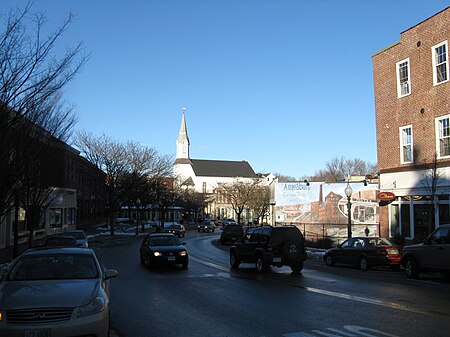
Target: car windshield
54, 267
380, 242
175, 226
286, 233
77, 235
164, 241
234, 228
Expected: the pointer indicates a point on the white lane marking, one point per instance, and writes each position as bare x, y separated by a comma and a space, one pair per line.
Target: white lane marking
349, 297
350, 331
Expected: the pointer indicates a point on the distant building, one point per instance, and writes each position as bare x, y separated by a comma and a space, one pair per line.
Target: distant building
77, 196
412, 106
205, 176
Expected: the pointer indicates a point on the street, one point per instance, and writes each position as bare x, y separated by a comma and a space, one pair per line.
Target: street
210, 299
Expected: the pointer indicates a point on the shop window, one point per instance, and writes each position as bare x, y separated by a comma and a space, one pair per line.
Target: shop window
55, 217
405, 221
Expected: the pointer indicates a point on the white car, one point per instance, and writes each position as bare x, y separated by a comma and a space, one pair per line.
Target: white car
60, 292
79, 236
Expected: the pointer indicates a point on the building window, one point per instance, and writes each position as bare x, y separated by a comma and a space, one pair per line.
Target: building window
440, 63
403, 79
443, 136
204, 187
406, 145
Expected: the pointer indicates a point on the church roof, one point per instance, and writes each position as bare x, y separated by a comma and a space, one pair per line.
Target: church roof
222, 168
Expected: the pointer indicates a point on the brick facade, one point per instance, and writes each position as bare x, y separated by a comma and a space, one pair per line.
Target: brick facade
419, 109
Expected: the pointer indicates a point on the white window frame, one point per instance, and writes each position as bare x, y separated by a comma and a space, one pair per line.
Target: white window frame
435, 64
408, 82
438, 122
405, 144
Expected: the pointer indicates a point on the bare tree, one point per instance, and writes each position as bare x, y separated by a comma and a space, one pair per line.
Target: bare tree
193, 202
338, 168
260, 202
430, 181
239, 193
31, 79
126, 165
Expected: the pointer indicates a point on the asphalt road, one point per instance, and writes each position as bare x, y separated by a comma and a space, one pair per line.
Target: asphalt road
210, 299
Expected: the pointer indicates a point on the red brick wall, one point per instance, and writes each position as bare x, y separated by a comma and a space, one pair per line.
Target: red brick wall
422, 106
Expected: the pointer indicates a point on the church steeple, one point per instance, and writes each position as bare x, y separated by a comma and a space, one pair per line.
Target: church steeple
183, 139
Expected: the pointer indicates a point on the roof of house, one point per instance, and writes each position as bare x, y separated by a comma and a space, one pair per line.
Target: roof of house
222, 168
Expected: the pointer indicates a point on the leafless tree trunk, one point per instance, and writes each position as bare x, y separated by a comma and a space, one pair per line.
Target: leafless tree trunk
31, 79
430, 182
239, 194
126, 166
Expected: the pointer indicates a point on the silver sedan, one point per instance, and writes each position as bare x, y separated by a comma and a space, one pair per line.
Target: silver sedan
55, 292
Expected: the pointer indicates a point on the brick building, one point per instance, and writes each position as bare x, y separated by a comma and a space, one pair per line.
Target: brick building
412, 92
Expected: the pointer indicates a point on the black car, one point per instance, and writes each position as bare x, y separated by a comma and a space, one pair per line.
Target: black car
231, 233
206, 226
265, 246
433, 255
176, 229
60, 241
163, 249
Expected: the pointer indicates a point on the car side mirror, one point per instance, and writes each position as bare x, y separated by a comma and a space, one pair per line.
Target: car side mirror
110, 273
183, 243
339, 246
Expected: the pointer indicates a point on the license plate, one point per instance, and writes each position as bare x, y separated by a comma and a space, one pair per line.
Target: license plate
277, 259
171, 258
37, 333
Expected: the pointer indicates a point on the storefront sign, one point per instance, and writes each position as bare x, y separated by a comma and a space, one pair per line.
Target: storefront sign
386, 196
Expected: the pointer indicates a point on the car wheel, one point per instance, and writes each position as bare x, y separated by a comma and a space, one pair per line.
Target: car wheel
297, 268
185, 265
142, 259
329, 261
364, 264
234, 261
148, 263
260, 264
411, 268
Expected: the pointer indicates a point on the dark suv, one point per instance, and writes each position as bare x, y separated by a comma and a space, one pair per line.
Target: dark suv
231, 233
277, 246
431, 255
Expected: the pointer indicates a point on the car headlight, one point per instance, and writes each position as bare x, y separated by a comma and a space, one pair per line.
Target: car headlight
94, 307
183, 253
157, 254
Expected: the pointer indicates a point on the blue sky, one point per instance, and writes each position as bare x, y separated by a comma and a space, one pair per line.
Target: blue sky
285, 84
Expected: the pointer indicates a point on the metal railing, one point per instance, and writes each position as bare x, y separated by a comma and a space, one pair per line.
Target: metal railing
330, 235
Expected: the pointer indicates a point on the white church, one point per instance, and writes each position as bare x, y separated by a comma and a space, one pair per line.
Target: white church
204, 176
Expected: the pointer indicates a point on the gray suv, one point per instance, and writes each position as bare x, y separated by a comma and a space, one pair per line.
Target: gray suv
270, 246
431, 255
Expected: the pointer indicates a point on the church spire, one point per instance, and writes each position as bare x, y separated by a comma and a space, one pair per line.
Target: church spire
183, 139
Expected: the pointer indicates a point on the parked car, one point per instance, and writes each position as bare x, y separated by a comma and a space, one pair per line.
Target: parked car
79, 236
63, 292
163, 248
265, 246
176, 229
231, 233
433, 255
60, 241
226, 221
206, 226
365, 252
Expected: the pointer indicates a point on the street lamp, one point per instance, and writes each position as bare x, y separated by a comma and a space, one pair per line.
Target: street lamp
138, 202
348, 192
